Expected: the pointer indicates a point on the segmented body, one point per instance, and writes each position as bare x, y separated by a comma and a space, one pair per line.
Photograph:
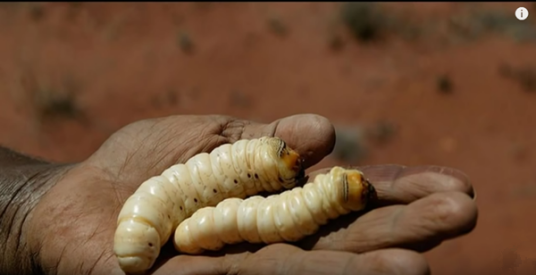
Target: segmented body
161, 203
288, 216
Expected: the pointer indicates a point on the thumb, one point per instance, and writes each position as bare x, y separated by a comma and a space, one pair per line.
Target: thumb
312, 136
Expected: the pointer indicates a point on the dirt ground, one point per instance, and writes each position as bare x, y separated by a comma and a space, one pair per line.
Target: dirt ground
449, 84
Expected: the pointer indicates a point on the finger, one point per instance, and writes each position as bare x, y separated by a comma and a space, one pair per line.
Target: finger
286, 259
396, 184
312, 136
420, 225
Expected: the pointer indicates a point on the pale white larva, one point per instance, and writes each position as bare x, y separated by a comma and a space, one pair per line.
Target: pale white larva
288, 216
161, 203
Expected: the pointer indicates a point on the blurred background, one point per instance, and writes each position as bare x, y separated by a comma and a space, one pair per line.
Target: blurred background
450, 84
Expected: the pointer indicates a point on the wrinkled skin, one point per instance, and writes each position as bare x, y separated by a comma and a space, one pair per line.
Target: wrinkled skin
72, 227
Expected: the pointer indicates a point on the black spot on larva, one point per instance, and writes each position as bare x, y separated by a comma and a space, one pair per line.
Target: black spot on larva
235, 181
180, 208
195, 200
151, 244
256, 176
279, 179
215, 191
249, 176
168, 216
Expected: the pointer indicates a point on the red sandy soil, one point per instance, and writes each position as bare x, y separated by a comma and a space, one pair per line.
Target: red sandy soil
125, 63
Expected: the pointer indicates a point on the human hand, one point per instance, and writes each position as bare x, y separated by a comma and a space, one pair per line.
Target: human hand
71, 230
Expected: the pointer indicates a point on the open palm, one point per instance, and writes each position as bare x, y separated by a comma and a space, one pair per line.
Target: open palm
72, 228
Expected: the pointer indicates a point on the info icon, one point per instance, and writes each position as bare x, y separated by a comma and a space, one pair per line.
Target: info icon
522, 13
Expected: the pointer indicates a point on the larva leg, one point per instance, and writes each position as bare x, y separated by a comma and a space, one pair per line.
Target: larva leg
161, 203
289, 216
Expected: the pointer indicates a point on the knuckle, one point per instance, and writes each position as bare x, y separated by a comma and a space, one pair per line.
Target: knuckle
453, 208
445, 207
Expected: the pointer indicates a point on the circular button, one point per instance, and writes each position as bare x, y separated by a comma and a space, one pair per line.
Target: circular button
522, 13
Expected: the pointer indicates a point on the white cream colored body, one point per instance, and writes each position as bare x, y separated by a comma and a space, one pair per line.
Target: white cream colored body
161, 203
288, 216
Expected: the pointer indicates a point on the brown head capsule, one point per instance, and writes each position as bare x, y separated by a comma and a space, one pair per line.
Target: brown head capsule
357, 190
291, 169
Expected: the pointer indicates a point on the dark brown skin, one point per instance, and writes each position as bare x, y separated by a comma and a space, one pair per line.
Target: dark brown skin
70, 229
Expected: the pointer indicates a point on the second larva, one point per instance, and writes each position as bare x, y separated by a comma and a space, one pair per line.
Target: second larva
288, 216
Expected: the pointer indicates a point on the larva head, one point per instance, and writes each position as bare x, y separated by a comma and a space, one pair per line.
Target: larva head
357, 191
290, 167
